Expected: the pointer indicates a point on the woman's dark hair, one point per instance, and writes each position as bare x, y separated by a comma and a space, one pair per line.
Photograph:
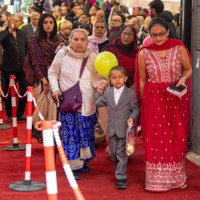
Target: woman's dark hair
87, 27
177, 19
120, 68
158, 20
40, 33
102, 21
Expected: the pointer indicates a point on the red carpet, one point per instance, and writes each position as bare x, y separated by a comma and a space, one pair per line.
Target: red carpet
99, 184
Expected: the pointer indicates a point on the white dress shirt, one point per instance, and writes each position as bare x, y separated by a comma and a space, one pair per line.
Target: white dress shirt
117, 94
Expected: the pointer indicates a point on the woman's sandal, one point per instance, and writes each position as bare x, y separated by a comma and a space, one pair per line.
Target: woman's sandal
183, 187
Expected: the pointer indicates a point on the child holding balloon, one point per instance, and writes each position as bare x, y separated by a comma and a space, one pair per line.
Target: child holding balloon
123, 111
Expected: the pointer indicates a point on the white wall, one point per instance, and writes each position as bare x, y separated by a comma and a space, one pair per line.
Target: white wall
172, 5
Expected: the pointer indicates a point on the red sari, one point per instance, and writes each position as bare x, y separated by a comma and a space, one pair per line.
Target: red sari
165, 119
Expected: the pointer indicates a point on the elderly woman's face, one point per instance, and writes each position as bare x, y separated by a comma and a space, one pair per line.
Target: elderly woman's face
79, 42
127, 36
99, 29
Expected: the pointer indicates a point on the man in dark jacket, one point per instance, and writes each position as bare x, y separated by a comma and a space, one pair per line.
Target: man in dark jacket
157, 10
15, 46
65, 29
30, 28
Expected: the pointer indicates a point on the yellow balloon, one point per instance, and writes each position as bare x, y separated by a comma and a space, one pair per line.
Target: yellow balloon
104, 62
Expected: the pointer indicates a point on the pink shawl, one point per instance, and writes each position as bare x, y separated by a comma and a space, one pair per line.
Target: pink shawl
94, 41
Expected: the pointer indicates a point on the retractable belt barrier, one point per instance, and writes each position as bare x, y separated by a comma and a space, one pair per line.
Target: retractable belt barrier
50, 131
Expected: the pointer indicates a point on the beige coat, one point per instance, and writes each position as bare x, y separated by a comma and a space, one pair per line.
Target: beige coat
64, 73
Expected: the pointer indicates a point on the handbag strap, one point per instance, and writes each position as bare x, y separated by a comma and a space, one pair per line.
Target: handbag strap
83, 66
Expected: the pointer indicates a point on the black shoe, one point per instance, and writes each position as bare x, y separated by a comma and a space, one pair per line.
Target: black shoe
121, 184
9, 119
76, 174
85, 168
96, 145
22, 118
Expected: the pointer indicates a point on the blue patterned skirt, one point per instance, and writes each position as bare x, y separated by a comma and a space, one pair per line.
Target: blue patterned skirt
77, 133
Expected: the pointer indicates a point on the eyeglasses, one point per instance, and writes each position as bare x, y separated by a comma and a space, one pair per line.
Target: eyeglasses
97, 27
162, 34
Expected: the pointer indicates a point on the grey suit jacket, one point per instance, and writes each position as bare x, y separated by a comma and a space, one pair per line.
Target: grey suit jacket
118, 114
29, 32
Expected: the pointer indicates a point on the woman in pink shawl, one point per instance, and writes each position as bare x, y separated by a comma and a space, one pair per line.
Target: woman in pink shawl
96, 43
98, 39
165, 118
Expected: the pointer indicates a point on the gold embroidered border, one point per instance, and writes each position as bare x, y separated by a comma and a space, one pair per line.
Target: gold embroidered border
78, 163
164, 176
85, 153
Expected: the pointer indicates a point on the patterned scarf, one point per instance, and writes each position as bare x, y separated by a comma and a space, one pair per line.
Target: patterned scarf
94, 41
117, 47
39, 58
69, 50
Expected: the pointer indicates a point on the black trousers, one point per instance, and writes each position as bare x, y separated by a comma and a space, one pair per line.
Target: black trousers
22, 83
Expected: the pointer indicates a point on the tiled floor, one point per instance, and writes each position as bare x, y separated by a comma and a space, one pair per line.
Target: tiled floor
193, 157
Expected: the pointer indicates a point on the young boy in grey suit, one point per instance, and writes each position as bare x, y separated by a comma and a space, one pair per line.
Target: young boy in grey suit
123, 111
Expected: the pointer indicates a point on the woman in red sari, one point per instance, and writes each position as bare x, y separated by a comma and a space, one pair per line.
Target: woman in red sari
125, 49
164, 117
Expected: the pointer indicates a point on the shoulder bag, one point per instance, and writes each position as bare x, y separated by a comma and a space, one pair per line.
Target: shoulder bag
71, 99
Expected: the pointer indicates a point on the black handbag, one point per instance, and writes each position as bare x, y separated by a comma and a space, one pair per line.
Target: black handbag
71, 99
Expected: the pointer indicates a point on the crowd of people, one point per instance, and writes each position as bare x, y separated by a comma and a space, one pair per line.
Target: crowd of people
48, 52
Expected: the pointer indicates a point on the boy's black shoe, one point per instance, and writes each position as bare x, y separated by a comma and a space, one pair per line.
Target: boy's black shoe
121, 184
85, 168
76, 174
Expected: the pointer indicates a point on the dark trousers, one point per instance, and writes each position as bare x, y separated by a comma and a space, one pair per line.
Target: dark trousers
22, 83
